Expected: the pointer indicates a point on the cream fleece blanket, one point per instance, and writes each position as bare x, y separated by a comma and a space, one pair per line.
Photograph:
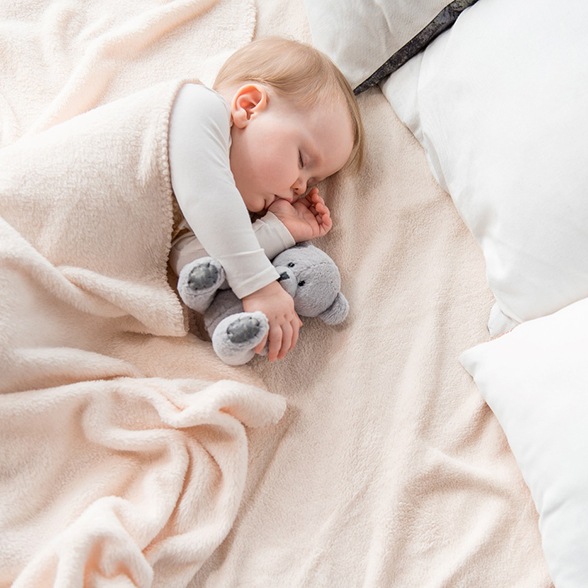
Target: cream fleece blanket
111, 474
129, 454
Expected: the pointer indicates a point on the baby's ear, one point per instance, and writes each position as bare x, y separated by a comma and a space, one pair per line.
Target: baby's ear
337, 312
248, 100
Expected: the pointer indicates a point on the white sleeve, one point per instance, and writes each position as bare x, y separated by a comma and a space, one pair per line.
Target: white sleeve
205, 190
271, 234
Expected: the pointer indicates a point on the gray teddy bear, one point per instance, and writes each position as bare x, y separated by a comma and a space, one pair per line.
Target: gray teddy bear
307, 273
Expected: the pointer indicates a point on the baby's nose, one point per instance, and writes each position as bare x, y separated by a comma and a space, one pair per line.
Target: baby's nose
299, 187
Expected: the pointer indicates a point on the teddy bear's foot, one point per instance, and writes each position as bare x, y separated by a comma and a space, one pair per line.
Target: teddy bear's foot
199, 281
236, 336
203, 276
244, 329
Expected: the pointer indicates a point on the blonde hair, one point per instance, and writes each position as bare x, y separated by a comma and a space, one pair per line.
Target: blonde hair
298, 71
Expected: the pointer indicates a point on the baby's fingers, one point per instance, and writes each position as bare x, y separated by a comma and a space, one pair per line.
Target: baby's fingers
322, 211
314, 194
287, 335
296, 332
275, 343
261, 345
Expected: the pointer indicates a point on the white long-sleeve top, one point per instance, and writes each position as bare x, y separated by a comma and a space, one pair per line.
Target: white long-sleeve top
215, 215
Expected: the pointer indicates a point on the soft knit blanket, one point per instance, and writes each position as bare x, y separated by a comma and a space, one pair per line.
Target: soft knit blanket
107, 474
114, 470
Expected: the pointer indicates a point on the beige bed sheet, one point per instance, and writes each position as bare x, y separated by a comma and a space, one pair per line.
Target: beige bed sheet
387, 468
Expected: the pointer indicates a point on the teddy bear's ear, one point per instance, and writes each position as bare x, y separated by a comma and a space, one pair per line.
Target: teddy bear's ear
337, 312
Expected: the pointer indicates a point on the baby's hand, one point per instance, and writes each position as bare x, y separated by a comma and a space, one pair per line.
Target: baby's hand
306, 218
284, 323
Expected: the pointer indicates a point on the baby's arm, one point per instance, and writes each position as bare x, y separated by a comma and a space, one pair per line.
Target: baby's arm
271, 299
272, 236
213, 208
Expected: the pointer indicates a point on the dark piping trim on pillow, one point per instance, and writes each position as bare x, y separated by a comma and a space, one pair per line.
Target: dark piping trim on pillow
443, 21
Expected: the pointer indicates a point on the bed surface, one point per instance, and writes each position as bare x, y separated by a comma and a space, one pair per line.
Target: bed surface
367, 457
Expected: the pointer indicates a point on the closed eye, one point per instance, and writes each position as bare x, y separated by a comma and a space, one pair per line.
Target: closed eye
300, 160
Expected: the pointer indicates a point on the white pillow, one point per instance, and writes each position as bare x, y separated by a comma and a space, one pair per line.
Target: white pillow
535, 379
369, 39
500, 104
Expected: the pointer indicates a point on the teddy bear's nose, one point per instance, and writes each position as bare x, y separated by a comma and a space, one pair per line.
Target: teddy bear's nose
283, 276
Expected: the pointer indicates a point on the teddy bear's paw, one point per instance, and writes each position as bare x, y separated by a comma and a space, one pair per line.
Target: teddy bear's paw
199, 281
244, 329
236, 336
204, 276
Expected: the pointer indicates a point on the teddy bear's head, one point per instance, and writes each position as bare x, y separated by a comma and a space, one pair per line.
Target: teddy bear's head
312, 278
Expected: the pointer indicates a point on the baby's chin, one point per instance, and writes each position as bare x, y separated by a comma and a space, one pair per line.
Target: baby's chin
263, 204
258, 209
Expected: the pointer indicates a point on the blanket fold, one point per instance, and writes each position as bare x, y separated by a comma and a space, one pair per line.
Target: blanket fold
134, 478
111, 475
123, 451
93, 196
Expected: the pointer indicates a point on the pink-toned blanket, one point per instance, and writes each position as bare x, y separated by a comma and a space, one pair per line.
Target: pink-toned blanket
129, 455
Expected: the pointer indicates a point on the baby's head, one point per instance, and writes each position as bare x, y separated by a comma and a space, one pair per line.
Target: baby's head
309, 124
